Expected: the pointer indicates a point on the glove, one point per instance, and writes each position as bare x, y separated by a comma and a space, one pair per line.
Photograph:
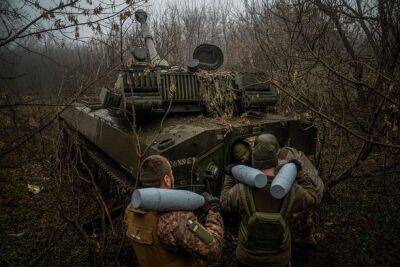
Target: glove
209, 198
299, 167
228, 169
211, 203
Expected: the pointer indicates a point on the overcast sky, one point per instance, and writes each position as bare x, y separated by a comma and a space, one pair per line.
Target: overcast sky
153, 7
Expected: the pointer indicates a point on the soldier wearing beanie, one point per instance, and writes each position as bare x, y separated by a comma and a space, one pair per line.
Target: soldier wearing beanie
166, 238
264, 236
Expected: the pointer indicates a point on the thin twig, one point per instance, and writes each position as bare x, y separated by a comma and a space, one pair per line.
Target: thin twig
340, 125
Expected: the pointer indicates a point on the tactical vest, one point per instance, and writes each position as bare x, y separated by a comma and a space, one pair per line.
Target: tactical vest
141, 229
264, 236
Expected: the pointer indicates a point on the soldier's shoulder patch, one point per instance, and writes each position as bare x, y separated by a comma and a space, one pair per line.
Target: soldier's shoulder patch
198, 230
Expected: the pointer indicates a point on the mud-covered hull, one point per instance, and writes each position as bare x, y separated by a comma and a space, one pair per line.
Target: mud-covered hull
198, 147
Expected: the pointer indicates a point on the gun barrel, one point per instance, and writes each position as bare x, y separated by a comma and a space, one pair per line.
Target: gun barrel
141, 17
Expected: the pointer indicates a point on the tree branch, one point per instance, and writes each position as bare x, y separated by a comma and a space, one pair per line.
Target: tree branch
340, 125
23, 29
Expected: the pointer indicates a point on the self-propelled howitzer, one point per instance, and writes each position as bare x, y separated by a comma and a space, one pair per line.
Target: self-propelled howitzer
175, 109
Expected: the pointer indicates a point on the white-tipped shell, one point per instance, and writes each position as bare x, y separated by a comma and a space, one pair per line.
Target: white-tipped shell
250, 176
158, 199
283, 181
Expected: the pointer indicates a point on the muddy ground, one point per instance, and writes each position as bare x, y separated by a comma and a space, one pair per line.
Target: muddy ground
359, 225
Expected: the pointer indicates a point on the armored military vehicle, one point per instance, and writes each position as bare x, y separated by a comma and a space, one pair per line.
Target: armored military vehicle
155, 108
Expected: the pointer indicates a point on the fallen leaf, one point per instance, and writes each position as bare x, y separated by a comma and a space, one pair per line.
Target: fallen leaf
35, 189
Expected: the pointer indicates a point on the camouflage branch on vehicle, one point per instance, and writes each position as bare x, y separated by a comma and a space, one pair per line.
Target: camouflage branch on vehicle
217, 92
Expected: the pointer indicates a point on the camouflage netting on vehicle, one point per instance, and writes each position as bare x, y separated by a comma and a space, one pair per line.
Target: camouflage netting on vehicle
217, 92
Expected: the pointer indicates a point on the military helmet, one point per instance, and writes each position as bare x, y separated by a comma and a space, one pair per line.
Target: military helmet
265, 152
239, 150
267, 139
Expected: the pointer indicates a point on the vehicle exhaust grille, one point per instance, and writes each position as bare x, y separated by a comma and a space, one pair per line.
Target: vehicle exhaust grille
186, 87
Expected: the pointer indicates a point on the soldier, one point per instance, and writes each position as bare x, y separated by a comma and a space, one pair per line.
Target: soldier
241, 153
172, 238
307, 178
264, 236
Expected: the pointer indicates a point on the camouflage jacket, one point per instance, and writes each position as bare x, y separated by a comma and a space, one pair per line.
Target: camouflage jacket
178, 231
308, 177
308, 187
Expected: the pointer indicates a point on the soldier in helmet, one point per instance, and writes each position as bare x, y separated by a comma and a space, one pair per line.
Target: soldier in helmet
307, 178
171, 238
264, 236
241, 153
